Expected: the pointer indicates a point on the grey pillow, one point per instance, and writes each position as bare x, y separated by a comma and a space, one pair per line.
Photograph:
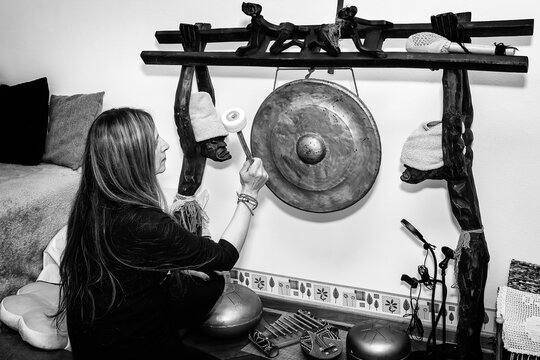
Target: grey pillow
70, 118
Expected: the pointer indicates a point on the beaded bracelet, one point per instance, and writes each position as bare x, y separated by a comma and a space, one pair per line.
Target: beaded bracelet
248, 200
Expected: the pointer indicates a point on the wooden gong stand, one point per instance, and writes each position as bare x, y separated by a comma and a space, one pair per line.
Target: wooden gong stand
311, 39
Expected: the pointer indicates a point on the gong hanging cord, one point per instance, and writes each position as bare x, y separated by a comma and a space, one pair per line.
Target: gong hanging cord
311, 70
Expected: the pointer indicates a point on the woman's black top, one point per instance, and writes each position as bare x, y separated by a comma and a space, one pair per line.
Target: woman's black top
145, 322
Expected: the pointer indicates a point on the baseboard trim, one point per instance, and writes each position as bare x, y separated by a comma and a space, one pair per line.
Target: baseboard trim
354, 298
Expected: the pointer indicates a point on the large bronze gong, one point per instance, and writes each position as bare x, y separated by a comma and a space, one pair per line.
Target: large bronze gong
319, 144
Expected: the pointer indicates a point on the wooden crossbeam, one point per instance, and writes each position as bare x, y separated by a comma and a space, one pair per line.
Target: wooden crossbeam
522, 27
518, 64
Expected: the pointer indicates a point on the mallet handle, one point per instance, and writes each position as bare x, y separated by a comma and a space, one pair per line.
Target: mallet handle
244, 146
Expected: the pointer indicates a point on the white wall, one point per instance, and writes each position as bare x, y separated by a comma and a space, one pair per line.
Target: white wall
87, 46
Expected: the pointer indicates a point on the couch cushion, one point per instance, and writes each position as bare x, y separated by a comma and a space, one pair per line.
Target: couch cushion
35, 202
70, 119
23, 122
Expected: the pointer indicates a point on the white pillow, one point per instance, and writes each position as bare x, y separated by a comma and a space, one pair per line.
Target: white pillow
29, 312
52, 256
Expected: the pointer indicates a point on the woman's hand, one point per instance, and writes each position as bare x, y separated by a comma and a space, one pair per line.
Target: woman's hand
199, 274
253, 176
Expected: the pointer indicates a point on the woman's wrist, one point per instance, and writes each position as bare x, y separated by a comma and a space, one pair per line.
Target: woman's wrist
249, 201
249, 192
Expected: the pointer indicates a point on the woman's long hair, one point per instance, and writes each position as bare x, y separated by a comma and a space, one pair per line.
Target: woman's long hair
118, 169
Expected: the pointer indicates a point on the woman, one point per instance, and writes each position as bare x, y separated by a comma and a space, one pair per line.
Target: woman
117, 293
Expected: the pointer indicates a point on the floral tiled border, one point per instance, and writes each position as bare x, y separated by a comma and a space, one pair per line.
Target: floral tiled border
354, 299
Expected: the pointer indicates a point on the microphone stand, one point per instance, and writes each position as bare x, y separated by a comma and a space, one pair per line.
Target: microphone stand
449, 255
442, 313
433, 320
430, 248
443, 265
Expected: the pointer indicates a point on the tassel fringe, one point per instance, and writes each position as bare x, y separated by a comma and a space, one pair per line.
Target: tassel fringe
463, 243
191, 216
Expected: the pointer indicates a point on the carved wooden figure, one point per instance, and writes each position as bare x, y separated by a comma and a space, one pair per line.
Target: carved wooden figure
262, 32
353, 26
195, 153
325, 37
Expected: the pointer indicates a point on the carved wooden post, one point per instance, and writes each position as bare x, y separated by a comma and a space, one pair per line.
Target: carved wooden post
193, 163
472, 254
472, 251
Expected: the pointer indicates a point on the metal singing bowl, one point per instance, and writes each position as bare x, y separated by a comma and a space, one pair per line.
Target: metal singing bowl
237, 311
319, 145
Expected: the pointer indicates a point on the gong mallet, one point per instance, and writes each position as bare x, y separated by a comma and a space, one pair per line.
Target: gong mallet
427, 42
235, 121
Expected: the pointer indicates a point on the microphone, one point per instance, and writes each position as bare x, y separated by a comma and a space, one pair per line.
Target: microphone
427, 42
416, 233
413, 282
448, 255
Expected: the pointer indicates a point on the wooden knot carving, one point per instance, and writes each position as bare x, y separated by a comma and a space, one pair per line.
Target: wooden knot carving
286, 35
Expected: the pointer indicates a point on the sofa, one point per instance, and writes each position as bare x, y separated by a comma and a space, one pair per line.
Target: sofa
42, 139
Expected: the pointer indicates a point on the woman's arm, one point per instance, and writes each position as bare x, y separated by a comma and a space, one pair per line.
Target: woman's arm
252, 178
152, 240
